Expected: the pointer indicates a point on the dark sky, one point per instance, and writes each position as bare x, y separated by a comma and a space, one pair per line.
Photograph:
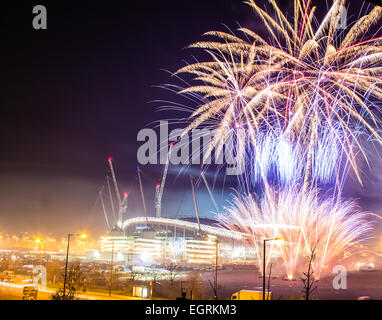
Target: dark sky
80, 91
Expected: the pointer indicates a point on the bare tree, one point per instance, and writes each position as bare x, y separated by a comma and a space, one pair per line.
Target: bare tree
154, 275
214, 289
308, 279
133, 275
73, 285
172, 268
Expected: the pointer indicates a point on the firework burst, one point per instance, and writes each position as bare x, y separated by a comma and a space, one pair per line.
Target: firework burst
304, 78
303, 222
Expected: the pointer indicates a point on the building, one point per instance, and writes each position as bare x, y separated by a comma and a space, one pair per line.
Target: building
154, 240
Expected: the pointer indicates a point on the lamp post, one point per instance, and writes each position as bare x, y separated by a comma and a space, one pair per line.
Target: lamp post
83, 236
216, 268
264, 248
14, 258
215, 287
41, 242
111, 267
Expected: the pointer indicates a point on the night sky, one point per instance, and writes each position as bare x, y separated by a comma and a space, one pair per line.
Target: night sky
79, 92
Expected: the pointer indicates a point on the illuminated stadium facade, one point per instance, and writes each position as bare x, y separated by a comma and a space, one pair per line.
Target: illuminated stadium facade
155, 240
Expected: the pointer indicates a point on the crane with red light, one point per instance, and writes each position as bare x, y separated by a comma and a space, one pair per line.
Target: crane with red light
111, 198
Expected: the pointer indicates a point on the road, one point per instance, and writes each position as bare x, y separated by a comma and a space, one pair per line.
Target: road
230, 281
11, 291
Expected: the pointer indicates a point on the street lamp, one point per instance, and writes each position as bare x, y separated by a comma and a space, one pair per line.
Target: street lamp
216, 267
215, 238
40, 242
111, 267
14, 258
264, 247
82, 236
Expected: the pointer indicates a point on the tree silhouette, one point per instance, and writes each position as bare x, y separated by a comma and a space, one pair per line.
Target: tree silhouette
73, 285
308, 278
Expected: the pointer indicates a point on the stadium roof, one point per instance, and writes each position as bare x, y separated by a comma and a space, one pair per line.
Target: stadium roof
211, 230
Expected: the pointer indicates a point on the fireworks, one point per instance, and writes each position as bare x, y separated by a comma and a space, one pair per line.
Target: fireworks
276, 159
296, 104
303, 222
304, 79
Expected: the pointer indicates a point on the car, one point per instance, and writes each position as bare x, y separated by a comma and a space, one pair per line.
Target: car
364, 298
27, 281
366, 266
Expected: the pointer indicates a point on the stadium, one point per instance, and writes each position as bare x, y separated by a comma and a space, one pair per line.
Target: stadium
156, 240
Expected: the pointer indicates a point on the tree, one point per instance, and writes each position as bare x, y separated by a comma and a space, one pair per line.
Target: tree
308, 279
154, 275
133, 274
73, 285
172, 268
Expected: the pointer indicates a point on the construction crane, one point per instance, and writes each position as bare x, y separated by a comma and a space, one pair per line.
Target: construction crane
157, 190
123, 207
103, 208
114, 180
195, 203
160, 187
122, 203
142, 194
111, 198
209, 191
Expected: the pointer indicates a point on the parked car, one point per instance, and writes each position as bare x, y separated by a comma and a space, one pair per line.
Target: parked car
364, 298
